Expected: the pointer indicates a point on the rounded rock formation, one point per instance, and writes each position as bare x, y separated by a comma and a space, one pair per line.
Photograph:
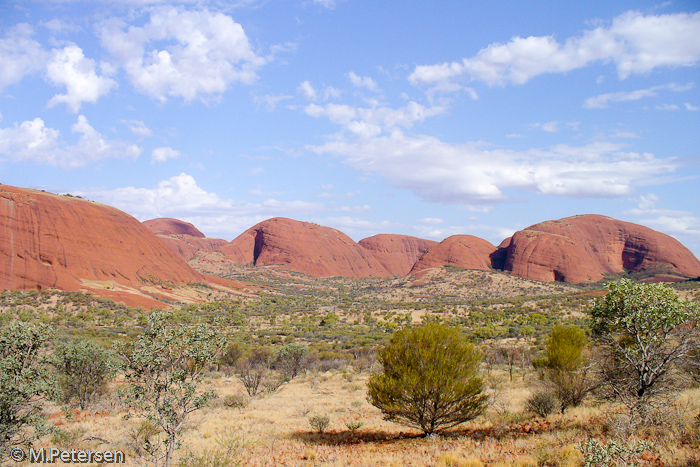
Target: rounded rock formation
587, 248
464, 251
397, 253
303, 247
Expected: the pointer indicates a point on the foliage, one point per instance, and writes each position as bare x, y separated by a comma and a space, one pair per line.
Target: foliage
163, 369
543, 402
319, 422
253, 370
430, 379
290, 359
227, 453
566, 368
614, 453
647, 333
25, 381
83, 368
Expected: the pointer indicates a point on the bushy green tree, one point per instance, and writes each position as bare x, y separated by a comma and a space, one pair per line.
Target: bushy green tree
163, 369
430, 379
25, 381
290, 359
647, 333
566, 368
84, 368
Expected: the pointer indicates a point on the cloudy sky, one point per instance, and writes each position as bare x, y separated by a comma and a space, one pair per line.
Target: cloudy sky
399, 116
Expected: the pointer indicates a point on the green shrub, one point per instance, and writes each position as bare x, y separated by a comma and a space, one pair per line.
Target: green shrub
319, 422
430, 379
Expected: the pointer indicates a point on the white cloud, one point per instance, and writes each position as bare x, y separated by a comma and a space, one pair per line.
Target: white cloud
32, 141
431, 220
362, 208
307, 90
269, 101
691, 108
363, 81
667, 107
634, 42
180, 197
162, 154
204, 54
330, 4
370, 122
138, 128
68, 67
469, 174
549, 127
679, 223
603, 100
20, 55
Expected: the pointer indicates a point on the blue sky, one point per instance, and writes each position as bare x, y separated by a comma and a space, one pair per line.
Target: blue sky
413, 117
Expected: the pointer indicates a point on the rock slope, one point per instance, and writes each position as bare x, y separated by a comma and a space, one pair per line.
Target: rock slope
72, 244
397, 253
586, 248
464, 251
303, 247
183, 237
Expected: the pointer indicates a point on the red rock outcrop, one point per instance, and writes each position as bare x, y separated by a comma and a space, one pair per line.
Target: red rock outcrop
464, 251
397, 253
168, 226
48, 240
303, 247
585, 248
183, 237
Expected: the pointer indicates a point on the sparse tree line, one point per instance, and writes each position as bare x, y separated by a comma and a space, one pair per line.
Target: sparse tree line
642, 348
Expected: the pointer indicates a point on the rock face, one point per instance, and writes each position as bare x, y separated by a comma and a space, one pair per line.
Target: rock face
303, 247
586, 248
397, 253
168, 226
49, 240
464, 251
183, 237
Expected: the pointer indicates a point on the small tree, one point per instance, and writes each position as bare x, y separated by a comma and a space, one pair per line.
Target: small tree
163, 369
253, 370
84, 367
566, 368
290, 360
430, 379
25, 382
647, 333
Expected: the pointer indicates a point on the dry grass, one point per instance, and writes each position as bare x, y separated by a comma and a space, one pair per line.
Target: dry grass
274, 430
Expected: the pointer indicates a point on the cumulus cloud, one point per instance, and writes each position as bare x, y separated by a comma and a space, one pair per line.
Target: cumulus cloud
33, 141
603, 100
182, 198
307, 90
202, 53
162, 154
68, 67
362, 81
371, 121
138, 128
634, 42
20, 55
270, 101
673, 222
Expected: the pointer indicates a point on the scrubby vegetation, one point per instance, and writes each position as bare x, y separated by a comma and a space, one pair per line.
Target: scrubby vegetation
288, 376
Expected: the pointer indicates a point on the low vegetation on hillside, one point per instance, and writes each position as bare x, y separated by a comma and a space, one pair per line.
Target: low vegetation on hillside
314, 372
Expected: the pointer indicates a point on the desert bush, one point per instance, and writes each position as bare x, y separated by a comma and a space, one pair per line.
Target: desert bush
25, 382
543, 402
319, 422
236, 401
84, 368
163, 369
648, 335
354, 425
565, 368
613, 453
290, 360
228, 452
430, 379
